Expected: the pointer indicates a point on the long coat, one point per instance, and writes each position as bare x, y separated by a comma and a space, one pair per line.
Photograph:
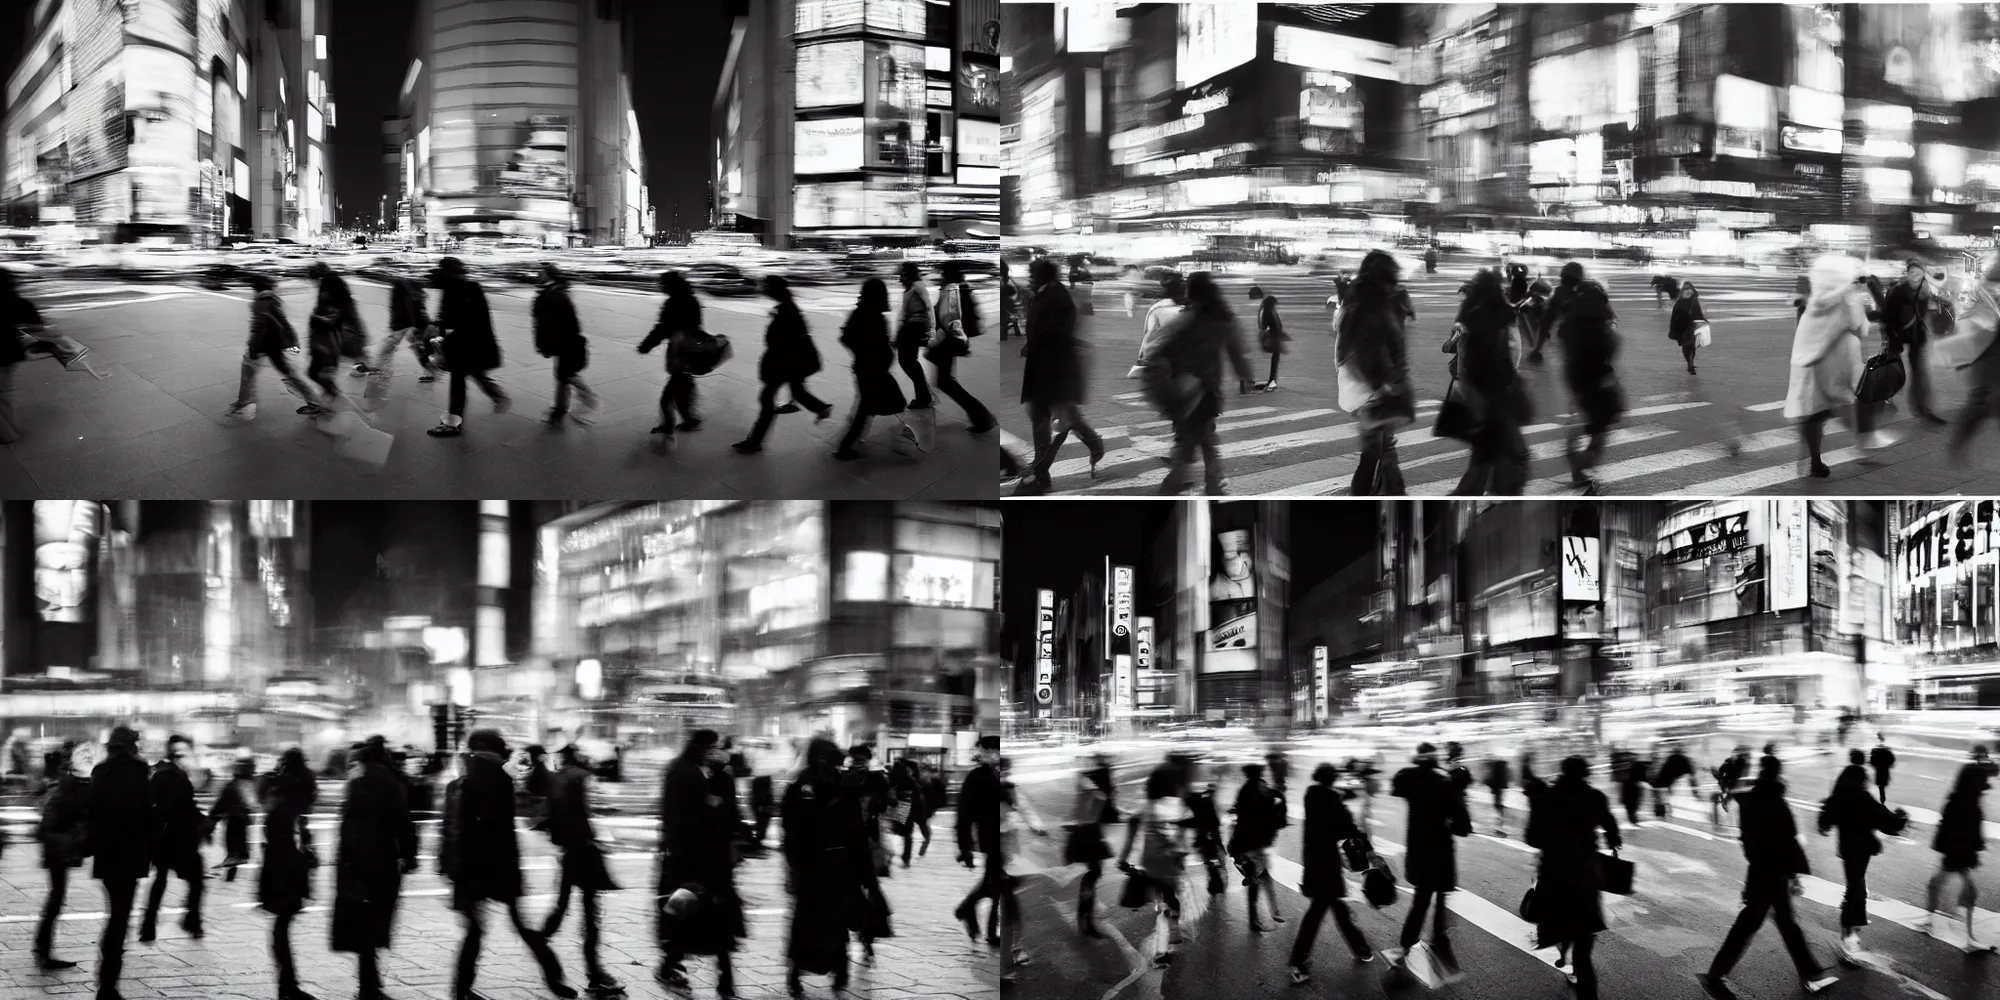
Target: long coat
469, 344
64, 829
121, 818
1328, 822
569, 826
1958, 834
1437, 816
270, 331
697, 831
1053, 368
285, 881
867, 336
1567, 884
558, 333
377, 840
789, 352
486, 851
1770, 834
827, 856
178, 824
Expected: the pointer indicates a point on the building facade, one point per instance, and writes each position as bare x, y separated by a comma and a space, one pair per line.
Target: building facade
519, 123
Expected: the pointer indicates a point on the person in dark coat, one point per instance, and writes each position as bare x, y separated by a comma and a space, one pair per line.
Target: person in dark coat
979, 832
583, 867
907, 796
378, 846
1771, 846
1205, 822
1096, 804
559, 335
233, 804
1328, 825
1672, 770
121, 828
1666, 289
1681, 324
285, 882
1570, 877
698, 850
826, 856
1857, 815
486, 861
790, 357
1632, 784
1052, 373
1960, 839
271, 337
1908, 310
1882, 760
1729, 774
409, 320
64, 832
465, 346
876, 392
861, 782
177, 833
1271, 337
1556, 311
1491, 387
1259, 815
1590, 348
1437, 817
680, 318
1190, 352
763, 807
1498, 777
1372, 351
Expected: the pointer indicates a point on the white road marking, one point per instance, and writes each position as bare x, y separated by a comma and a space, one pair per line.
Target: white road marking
1766, 407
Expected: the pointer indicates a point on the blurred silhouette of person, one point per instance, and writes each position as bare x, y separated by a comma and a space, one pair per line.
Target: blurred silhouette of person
378, 846
559, 335
466, 346
177, 839
285, 881
64, 831
271, 337
121, 836
487, 862
680, 319
790, 357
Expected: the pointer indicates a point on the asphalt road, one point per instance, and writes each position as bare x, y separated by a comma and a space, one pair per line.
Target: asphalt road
1297, 441
153, 427
1690, 871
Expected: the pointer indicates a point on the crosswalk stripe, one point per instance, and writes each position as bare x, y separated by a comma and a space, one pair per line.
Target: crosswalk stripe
1548, 451
1766, 407
1126, 430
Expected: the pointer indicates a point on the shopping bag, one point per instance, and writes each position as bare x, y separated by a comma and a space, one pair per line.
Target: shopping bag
1431, 966
1881, 380
1461, 417
1527, 908
1702, 334
340, 424
1617, 874
1138, 891
366, 445
919, 429
1378, 886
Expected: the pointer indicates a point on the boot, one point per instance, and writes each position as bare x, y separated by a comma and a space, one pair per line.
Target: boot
1086, 912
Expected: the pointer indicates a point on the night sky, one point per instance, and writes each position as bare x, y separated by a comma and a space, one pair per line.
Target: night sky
369, 47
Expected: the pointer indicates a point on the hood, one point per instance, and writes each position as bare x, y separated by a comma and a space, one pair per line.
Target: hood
1833, 280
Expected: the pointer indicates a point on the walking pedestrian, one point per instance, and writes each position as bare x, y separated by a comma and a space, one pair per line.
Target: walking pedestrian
1631, 785
1173, 298
285, 882
1328, 825
698, 853
1569, 878
1159, 829
64, 832
1205, 828
177, 839
826, 860
1771, 846
680, 320
1052, 376
876, 392
234, 803
486, 862
1666, 289
1959, 841
466, 347
1271, 337
913, 333
1010, 317
763, 806
1374, 370
378, 846
1016, 816
1430, 260
1909, 309
1498, 777
979, 819
909, 807
271, 337
1857, 817
583, 867
121, 835
790, 356
1259, 815
1095, 806
1826, 359
871, 787
1882, 760
1682, 324
957, 324
1973, 352
1728, 775
1437, 817
1489, 385
1671, 770
335, 309
409, 321
559, 335
1184, 378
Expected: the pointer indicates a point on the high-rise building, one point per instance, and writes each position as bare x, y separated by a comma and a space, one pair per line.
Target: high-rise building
875, 119
520, 122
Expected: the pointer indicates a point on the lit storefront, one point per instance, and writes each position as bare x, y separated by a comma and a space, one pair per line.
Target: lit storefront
1945, 605
1218, 644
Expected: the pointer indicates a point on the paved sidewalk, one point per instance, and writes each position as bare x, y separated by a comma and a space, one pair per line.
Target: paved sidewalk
929, 959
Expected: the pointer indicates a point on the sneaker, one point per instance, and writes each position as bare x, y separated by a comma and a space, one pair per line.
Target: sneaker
243, 411
555, 418
820, 415
311, 410
990, 424
1716, 987
446, 431
70, 361
48, 964
1299, 976
788, 408
364, 370
1820, 985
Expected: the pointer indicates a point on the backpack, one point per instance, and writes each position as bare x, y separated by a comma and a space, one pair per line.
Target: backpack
968, 310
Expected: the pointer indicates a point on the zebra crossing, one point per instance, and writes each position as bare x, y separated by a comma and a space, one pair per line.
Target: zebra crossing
1708, 449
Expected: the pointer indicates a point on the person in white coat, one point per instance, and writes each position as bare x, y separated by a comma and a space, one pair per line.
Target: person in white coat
1826, 358
1158, 315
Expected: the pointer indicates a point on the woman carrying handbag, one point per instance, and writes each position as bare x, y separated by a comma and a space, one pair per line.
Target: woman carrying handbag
1159, 829
1568, 881
1826, 361
1374, 374
1492, 405
1329, 826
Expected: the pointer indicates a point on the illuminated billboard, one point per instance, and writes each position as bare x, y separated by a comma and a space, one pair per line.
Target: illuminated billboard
66, 534
978, 143
827, 206
941, 581
895, 87
827, 146
827, 15
1321, 50
1214, 38
829, 74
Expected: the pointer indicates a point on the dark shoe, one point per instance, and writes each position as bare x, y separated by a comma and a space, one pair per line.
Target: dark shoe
925, 405
555, 418
427, 377
661, 429
820, 415
311, 410
147, 933
446, 431
1820, 470
689, 425
295, 994
503, 404
1716, 987
788, 408
748, 447
1818, 984
793, 986
563, 991
970, 918
670, 977
602, 985
193, 928
363, 371
54, 964
1931, 418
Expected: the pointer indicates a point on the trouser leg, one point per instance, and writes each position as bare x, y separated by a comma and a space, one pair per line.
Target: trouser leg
246, 384
118, 895
947, 382
545, 957
1413, 924
1854, 903
1585, 969
475, 936
1302, 944
455, 403
45, 931
855, 428
555, 918
767, 411
281, 952
909, 355
593, 967
1755, 907
155, 894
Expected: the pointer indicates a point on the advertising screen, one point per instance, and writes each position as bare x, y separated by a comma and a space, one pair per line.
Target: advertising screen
1214, 38
1045, 646
66, 534
941, 581
828, 146
892, 204
895, 88
1232, 593
827, 15
827, 206
1330, 114
1584, 91
1744, 116
901, 17
978, 143
1322, 50
829, 74
1580, 574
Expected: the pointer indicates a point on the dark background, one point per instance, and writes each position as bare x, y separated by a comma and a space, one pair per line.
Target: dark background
678, 51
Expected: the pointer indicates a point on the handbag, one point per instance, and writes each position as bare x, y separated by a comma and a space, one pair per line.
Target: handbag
1138, 891
307, 852
1527, 909
899, 814
1356, 850
1702, 334
1881, 379
1617, 874
1461, 416
1378, 885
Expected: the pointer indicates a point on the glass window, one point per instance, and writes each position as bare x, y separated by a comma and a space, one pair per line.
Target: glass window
866, 577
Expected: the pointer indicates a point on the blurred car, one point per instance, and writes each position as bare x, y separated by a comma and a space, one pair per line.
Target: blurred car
721, 279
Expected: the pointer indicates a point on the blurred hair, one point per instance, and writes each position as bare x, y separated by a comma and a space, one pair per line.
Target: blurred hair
1572, 273
1379, 266
177, 738
8, 281
486, 741
1162, 783
1855, 756
552, 272
320, 270
451, 267
1913, 263
675, 284
700, 742
293, 761
1575, 767
1426, 749
874, 296
952, 271
910, 273
777, 287
1042, 271
823, 751
1325, 773
1256, 292
1769, 766
123, 736
1174, 286
259, 281
1204, 295
1253, 771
